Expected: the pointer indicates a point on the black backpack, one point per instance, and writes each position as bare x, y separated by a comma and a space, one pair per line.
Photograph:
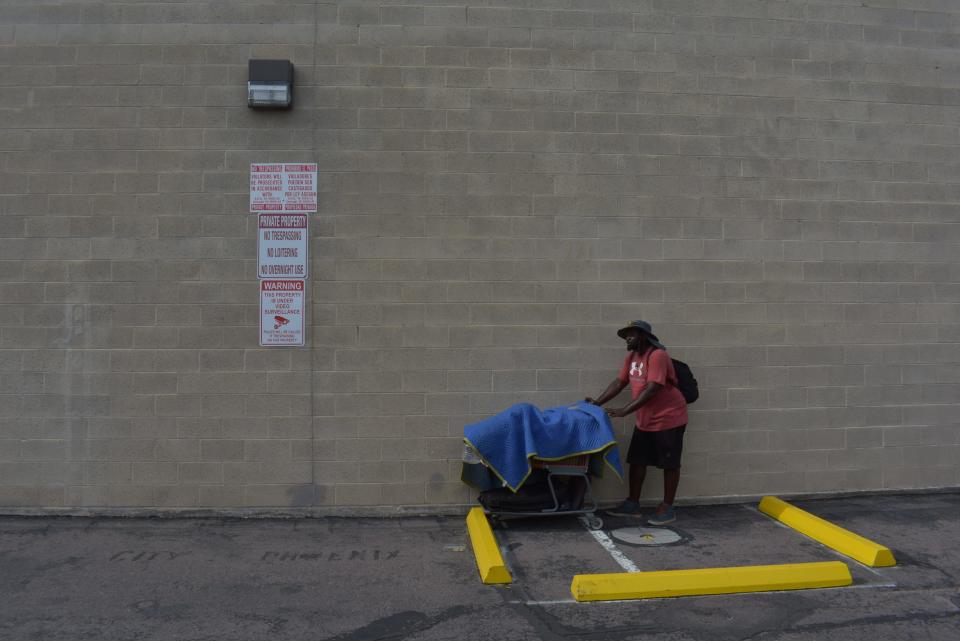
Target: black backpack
686, 383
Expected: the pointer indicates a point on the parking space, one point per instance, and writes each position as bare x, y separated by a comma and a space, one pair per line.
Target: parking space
544, 554
917, 599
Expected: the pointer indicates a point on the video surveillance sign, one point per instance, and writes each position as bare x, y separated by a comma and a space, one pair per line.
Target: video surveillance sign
281, 312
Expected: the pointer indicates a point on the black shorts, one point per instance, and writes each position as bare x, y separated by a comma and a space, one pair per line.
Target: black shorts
662, 449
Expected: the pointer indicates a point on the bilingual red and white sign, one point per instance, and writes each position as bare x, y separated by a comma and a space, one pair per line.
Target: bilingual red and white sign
283, 187
282, 242
281, 312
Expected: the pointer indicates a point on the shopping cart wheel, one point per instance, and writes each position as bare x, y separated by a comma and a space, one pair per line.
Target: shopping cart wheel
594, 522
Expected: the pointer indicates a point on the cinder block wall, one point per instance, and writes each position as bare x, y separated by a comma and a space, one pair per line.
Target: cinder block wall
773, 184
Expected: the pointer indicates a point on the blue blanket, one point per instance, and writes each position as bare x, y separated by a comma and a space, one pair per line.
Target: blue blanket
508, 440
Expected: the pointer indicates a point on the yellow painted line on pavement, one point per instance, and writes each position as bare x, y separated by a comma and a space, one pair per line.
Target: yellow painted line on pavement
485, 549
833, 536
674, 583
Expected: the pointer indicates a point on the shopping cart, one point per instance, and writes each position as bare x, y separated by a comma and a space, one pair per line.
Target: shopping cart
575, 469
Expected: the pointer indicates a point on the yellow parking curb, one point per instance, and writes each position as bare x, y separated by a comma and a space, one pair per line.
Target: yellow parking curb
489, 561
673, 583
833, 536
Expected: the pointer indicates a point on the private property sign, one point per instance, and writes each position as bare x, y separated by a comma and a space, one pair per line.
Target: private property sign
282, 241
283, 187
281, 312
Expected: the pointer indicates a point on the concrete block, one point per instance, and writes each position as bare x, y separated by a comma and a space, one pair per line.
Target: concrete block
221, 450
278, 495
444, 16
403, 494
358, 494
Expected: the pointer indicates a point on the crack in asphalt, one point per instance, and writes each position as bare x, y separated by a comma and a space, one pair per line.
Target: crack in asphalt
863, 621
400, 625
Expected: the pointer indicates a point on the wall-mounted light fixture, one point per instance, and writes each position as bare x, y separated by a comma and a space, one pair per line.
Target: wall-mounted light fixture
270, 84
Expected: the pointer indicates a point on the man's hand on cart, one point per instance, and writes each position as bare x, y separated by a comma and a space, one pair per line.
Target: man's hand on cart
616, 412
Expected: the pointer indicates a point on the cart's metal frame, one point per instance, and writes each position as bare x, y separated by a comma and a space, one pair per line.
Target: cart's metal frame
575, 466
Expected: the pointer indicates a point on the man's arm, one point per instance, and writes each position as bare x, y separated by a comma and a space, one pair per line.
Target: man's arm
648, 392
614, 388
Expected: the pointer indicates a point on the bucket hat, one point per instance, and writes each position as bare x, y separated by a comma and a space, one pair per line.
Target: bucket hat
644, 327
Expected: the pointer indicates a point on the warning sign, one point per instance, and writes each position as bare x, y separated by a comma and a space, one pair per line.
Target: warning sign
283, 187
281, 312
282, 241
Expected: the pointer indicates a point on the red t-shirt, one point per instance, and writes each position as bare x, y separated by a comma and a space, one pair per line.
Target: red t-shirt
667, 409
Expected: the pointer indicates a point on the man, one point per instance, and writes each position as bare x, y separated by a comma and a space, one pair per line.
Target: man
661, 418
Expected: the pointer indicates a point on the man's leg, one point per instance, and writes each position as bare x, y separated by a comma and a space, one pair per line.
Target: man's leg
637, 460
664, 513
637, 474
671, 448
671, 480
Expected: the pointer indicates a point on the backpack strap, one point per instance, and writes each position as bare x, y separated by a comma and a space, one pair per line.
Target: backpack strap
676, 379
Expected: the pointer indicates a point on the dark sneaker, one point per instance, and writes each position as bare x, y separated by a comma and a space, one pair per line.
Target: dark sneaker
627, 508
662, 518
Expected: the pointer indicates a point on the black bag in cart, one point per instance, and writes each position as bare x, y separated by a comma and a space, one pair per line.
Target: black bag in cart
533, 496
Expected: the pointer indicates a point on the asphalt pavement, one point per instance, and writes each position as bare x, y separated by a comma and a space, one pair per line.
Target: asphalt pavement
414, 578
